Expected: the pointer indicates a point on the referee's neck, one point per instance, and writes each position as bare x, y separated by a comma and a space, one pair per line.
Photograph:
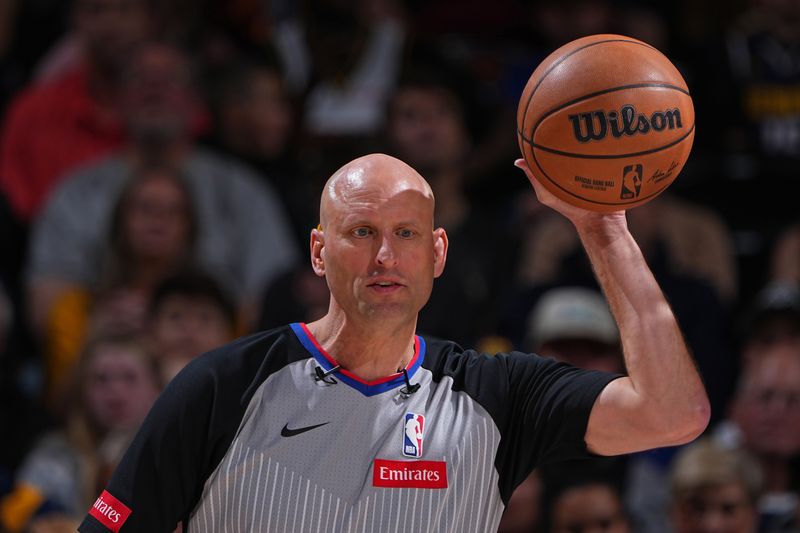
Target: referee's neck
370, 351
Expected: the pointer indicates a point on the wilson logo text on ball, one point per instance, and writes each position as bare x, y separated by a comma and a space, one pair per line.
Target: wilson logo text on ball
631, 182
595, 125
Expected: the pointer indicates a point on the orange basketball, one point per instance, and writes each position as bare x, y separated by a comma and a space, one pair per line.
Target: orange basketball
606, 122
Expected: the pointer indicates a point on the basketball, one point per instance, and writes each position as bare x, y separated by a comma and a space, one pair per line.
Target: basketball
605, 122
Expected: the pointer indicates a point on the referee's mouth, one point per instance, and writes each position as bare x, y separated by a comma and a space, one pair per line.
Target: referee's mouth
385, 285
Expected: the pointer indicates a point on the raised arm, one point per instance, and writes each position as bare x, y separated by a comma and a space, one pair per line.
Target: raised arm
662, 401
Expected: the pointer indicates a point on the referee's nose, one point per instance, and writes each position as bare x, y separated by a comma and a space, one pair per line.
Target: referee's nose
385, 256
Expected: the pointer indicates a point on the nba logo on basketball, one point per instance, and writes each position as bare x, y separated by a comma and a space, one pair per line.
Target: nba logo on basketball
631, 182
412, 435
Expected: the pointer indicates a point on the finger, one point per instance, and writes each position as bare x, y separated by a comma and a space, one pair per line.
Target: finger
522, 165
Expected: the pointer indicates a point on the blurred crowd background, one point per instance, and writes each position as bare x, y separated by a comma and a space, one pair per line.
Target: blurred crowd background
160, 169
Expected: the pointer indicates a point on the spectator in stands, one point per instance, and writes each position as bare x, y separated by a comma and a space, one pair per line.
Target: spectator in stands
346, 57
254, 119
714, 490
152, 234
773, 319
684, 239
749, 129
765, 414
760, 62
73, 119
341, 60
253, 112
583, 496
115, 385
297, 296
574, 325
685, 246
189, 314
589, 507
427, 127
243, 238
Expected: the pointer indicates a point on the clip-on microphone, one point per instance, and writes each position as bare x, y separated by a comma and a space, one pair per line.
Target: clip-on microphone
325, 377
409, 389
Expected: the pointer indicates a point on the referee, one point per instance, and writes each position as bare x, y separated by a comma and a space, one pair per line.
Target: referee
355, 423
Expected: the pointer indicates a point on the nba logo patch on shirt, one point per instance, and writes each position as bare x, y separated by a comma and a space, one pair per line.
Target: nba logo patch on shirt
412, 435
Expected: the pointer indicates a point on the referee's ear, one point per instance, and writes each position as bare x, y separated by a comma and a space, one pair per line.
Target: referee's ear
440, 246
317, 247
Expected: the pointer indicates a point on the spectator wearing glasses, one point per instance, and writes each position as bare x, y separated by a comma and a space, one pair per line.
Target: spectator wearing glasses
714, 489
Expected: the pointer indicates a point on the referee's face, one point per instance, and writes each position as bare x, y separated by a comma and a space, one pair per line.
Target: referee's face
377, 248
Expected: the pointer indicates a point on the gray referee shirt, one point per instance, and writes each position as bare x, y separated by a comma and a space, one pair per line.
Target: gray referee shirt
266, 434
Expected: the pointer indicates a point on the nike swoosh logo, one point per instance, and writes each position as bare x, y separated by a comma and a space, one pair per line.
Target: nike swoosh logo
286, 432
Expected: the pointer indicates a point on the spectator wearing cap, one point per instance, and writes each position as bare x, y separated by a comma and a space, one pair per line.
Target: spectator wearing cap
705, 322
574, 325
714, 489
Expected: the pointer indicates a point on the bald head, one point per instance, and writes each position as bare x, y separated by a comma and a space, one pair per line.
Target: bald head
373, 174
377, 248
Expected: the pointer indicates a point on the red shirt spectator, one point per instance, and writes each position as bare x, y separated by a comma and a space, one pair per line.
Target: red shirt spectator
50, 130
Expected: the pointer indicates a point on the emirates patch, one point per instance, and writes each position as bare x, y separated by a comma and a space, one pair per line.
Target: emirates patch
110, 512
409, 474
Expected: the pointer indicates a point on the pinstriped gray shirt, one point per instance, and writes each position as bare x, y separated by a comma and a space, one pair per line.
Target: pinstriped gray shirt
248, 438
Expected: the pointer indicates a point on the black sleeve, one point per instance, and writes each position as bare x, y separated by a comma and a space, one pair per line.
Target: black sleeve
184, 437
541, 407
